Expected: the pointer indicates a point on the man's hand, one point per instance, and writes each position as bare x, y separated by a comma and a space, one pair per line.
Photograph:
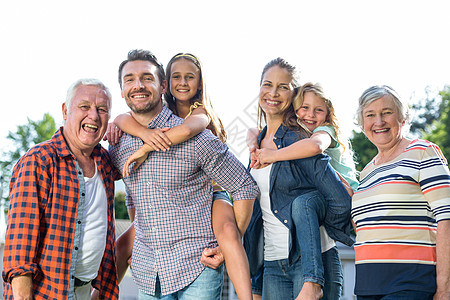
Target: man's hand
22, 287
113, 134
212, 257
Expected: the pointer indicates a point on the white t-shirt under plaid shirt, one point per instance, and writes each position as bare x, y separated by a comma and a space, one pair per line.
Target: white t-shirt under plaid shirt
172, 194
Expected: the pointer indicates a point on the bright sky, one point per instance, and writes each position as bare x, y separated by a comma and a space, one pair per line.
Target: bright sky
347, 46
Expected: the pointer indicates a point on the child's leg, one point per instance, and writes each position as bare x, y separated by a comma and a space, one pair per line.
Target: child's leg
229, 239
307, 212
124, 248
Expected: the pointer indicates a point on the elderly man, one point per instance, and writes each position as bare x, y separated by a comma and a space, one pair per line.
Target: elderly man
171, 192
60, 236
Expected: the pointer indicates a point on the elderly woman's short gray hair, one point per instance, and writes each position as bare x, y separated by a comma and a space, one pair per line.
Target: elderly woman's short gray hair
379, 91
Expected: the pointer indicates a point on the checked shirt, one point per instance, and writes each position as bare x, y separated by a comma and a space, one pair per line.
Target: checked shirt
172, 194
46, 196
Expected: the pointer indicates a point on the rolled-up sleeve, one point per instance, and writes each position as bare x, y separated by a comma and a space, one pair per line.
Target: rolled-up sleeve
223, 167
29, 188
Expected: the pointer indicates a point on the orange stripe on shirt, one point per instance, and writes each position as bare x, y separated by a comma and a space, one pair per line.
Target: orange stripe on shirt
385, 183
397, 227
395, 252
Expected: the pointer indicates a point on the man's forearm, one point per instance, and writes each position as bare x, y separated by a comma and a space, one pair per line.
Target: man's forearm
22, 287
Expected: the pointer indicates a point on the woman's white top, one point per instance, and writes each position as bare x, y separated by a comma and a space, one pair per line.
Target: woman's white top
276, 234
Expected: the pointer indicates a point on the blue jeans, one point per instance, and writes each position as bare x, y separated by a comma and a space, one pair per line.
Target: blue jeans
332, 290
402, 295
208, 285
284, 281
308, 211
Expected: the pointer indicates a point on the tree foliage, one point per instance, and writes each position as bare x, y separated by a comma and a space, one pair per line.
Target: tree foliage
120, 208
437, 131
363, 149
24, 138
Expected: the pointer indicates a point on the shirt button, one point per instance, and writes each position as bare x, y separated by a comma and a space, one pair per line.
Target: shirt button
79, 172
82, 194
79, 222
285, 221
76, 248
279, 146
148, 182
275, 138
275, 211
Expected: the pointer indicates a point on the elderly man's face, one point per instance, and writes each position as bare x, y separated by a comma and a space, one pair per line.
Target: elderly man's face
87, 118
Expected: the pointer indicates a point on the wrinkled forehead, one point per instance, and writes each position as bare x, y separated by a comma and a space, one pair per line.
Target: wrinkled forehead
91, 93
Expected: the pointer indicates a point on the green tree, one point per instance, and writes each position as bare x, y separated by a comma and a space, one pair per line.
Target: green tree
120, 208
24, 138
363, 149
437, 131
424, 112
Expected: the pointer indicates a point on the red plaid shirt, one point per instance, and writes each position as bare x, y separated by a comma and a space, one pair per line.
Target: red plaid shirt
42, 221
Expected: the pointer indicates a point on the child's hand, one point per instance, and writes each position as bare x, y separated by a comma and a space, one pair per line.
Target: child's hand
252, 138
257, 164
254, 163
113, 134
157, 139
266, 156
139, 157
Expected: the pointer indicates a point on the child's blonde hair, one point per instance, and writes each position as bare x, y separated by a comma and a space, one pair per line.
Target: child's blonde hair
331, 119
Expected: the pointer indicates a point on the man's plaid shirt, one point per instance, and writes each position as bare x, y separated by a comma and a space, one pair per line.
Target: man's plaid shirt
43, 222
172, 194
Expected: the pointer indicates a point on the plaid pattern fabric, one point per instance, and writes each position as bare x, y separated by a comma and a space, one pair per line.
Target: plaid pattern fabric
42, 222
172, 194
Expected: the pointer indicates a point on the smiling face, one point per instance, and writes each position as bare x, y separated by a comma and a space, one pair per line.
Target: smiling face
382, 123
313, 112
141, 87
87, 118
276, 92
184, 80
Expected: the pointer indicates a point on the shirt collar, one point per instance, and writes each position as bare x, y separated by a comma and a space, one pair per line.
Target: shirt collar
281, 131
161, 119
63, 150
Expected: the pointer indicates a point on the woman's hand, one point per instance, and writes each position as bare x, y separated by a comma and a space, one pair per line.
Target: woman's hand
113, 134
157, 139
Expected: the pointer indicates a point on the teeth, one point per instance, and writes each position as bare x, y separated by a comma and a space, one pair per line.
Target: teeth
272, 102
381, 130
91, 126
309, 122
139, 96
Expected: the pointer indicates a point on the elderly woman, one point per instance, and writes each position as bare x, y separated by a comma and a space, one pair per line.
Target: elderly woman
289, 189
401, 208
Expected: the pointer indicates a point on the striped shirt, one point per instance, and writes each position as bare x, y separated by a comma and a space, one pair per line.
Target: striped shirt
395, 209
47, 194
172, 193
